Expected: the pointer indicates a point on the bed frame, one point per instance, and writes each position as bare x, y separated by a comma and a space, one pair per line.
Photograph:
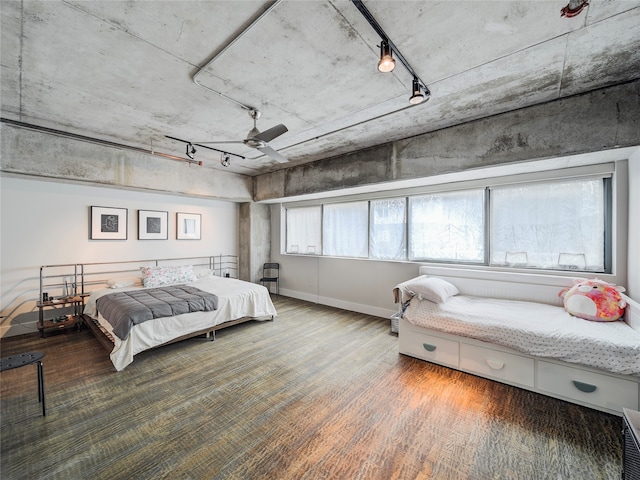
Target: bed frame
106, 340
574, 383
81, 278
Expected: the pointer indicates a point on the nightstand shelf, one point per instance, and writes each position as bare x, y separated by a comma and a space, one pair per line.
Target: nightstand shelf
61, 298
61, 322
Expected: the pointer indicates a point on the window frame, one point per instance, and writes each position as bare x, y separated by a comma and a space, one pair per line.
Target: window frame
322, 234
603, 171
447, 261
286, 236
608, 202
405, 229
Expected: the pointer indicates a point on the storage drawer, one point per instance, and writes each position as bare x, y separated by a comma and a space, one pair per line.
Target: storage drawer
590, 387
429, 347
499, 365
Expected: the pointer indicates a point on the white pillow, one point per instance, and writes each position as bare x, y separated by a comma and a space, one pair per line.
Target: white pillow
433, 289
203, 273
124, 282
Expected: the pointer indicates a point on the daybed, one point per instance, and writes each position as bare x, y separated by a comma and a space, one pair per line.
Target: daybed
519, 334
234, 301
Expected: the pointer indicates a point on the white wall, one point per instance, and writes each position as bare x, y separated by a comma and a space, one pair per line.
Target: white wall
633, 276
352, 284
366, 286
45, 223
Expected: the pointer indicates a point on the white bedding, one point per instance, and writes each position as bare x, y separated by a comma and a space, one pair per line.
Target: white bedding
236, 299
533, 328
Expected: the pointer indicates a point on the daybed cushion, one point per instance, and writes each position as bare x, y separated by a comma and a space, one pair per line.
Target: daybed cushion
533, 328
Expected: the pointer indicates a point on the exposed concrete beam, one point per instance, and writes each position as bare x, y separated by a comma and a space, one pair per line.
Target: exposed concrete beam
34, 153
596, 121
591, 122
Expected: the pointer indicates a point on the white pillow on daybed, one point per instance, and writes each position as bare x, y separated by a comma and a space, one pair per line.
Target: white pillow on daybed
433, 289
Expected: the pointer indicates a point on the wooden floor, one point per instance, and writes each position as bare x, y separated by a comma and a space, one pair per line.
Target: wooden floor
319, 393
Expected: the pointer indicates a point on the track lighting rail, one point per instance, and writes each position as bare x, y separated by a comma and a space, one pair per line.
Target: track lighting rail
191, 151
96, 141
385, 38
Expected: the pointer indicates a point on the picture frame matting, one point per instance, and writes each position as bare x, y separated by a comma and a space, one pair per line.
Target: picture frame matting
188, 226
153, 225
108, 223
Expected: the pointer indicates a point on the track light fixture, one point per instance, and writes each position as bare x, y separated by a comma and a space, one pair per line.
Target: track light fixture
386, 63
419, 92
191, 151
225, 160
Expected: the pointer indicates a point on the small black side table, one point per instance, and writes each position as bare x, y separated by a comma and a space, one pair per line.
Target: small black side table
16, 361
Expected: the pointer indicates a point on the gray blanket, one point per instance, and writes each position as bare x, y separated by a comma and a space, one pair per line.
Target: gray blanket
125, 309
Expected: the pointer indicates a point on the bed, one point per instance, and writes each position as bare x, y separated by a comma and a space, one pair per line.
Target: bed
237, 301
518, 333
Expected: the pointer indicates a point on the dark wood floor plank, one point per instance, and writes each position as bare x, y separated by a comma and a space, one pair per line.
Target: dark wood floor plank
319, 393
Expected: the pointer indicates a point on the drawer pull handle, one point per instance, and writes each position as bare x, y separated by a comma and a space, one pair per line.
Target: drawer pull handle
584, 387
495, 365
428, 347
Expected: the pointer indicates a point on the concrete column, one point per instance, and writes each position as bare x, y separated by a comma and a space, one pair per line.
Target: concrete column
255, 240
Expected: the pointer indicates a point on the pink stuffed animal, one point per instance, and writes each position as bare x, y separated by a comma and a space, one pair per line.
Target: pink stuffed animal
594, 300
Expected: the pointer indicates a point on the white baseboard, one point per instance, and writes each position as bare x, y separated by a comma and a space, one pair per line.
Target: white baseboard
344, 305
356, 307
307, 297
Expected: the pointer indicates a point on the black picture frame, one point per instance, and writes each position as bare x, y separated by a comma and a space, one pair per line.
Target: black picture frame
188, 226
108, 223
153, 225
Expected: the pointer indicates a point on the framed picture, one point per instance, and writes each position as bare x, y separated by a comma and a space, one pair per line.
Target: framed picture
108, 223
188, 226
152, 225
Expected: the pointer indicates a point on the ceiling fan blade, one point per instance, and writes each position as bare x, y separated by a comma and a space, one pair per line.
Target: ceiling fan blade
211, 143
272, 133
267, 150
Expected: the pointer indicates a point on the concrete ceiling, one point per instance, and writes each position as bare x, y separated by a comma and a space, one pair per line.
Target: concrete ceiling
123, 71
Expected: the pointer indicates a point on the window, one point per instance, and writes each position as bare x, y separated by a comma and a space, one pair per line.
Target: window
304, 230
388, 232
345, 229
562, 224
557, 225
447, 226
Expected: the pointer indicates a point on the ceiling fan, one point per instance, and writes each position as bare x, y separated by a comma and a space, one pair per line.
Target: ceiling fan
257, 139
